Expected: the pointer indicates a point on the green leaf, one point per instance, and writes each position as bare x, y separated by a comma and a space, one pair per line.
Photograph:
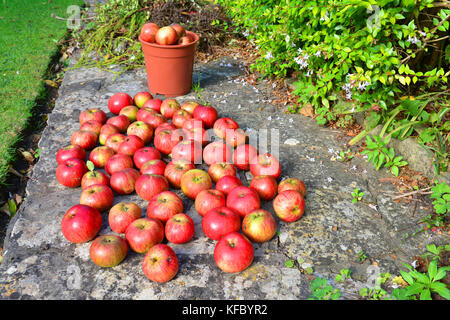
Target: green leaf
90, 165
432, 269
289, 263
441, 289
425, 295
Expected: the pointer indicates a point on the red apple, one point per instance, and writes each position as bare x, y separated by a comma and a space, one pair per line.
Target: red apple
85, 139
243, 200
145, 154
141, 97
181, 32
220, 221
156, 166
197, 134
92, 114
242, 156
184, 40
266, 186
166, 36
142, 130
179, 229
118, 162
234, 253
166, 140
69, 152
175, 170
164, 206
130, 112
265, 164
144, 233
216, 151
179, 117
148, 32
292, 184
130, 145
114, 140
169, 107
189, 150
235, 137
194, 181
154, 104
118, 101
70, 172
207, 200
100, 155
121, 122
164, 126
259, 225
94, 177
189, 106
228, 183
289, 205
97, 196
149, 185
160, 263
192, 124
222, 125
91, 125
206, 114
123, 182
108, 250
81, 223
122, 215
106, 131
221, 169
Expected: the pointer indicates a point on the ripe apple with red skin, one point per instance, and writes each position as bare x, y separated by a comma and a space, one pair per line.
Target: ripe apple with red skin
165, 126
181, 32
179, 117
179, 229
197, 134
189, 106
222, 125
184, 40
189, 150
164, 206
175, 170
114, 140
70, 172
81, 223
144, 233
228, 183
122, 215
206, 114
145, 154
234, 253
106, 131
266, 186
235, 137
259, 226
97, 196
207, 200
148, 32
108, 250
292, 184
243, 200
156, 166
216, 151
118, 101
130, 145
141, 97
121, 122
92, 114
221, 169
242, 156
265, 164
160, 263
192, 123
130, 112
154, 104
94, 177
123, 182
91, 125
166, 36
69, 152
85, 139
118, 162
220, 221
194, 181
154, 119
142, 130
149, 185
100, 155
145, 113
166, 140
289, 205
169, 107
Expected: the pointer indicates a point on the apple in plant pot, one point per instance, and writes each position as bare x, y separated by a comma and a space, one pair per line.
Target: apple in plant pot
122, 215
123, 182
197, 134
118, 162
179, 229
179, 117
141, 97
175, 170
100, 155
189, 106
184, 40
221, 169
93, 114
166, 140
243, 200
189, 150
130, 145
148, 32
259, 225
118, 101
114, 140
169, 107
220, 221
97, 196
149, 185
156, 166
106, 131
81, 223
221, 125
292, 184
234, 253
164, 206
209, 199
85, 139
266, 186
235, 137
108, 250
265, 164
69, 152
160, 263
154, 104
145, 154
289, 205
91, 125
121, 122
142, 130
243, 154
165, 126
192, 124
130, 112
94, 177
70, 172
166, 36
228, 183
194, 181
207, 114
216, 151
181, 32
144, 233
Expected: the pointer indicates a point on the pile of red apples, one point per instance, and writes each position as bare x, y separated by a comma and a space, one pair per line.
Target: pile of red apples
153, 147
174, 34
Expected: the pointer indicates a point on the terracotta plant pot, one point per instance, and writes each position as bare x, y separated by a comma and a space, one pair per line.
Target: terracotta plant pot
169, 68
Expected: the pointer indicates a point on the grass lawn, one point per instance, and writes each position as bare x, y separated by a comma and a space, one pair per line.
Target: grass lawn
28, 40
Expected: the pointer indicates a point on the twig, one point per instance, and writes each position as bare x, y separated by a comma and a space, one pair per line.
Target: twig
421, 191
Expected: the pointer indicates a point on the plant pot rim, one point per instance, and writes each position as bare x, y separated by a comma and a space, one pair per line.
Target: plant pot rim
172, 46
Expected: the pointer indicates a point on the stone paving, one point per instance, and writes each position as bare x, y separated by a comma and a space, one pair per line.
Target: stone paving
39, 263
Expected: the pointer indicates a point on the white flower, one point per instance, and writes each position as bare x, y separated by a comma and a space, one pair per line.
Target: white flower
330, 179
269, 55
299, 50
317, 54
414, 264
330, 150
309, 73
362, 85
413, 40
